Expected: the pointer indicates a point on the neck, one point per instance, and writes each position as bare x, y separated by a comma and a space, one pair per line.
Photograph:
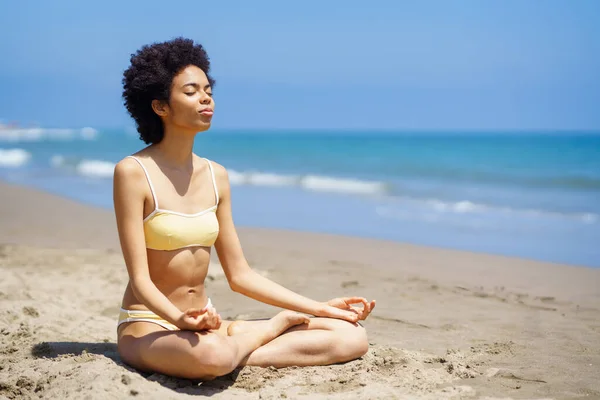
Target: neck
176, 148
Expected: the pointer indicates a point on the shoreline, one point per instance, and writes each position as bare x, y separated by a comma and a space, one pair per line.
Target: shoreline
449, 324
80, 205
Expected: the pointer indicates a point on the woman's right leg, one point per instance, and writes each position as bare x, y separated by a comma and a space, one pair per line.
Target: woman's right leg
196, 355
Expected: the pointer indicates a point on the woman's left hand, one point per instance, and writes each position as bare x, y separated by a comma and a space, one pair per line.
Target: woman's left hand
342, 308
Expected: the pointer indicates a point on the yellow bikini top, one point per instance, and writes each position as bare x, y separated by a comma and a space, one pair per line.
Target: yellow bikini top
172, 230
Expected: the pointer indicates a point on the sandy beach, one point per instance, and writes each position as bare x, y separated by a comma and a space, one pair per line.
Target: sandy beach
448, 324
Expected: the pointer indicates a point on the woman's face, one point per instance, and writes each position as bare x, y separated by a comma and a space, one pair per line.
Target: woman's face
191, 104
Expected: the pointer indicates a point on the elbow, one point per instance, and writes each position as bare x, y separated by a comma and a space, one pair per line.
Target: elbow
237, 283
234, 284
137, 286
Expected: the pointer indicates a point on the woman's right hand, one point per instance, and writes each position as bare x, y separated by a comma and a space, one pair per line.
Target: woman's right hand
196, 319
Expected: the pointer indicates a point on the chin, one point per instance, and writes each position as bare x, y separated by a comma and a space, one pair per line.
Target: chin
202, 126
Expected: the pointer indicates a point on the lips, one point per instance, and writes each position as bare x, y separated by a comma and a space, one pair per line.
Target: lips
206, 111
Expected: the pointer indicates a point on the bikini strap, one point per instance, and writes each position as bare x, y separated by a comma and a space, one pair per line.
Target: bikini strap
212, 173
149, 181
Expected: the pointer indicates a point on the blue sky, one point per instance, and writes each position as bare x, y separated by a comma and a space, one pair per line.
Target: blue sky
442, 65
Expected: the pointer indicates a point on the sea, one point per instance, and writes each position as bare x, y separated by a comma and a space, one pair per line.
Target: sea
533, 195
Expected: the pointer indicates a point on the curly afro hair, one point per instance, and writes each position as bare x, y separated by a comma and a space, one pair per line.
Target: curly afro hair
149, 77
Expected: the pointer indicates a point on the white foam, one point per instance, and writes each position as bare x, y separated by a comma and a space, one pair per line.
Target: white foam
13, 158
88, 133
468, 207
96, 168
41, 134
339, 185
261, 179
236, 178
266, 179
309, 182
459, 207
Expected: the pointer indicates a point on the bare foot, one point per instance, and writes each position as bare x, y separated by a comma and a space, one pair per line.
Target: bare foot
285, 320
237, 327
276, 325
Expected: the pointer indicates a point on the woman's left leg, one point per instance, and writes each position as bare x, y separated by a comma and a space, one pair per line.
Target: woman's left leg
322, 341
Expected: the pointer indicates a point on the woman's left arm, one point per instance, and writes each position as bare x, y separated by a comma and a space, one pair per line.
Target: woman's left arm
246, 281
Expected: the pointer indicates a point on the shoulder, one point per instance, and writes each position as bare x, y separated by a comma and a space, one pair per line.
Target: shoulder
128, 169
221, 179
221, 175
220, 171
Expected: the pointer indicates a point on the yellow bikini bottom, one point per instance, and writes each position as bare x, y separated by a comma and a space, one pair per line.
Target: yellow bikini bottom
148, 316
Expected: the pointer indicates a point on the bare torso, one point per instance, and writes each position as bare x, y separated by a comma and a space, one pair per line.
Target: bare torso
179, 275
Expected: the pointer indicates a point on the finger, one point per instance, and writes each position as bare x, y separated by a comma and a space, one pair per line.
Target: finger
368, 312
209, 322
365, 304
368, 304
215, 322
215, 317
355, 310
350, 316
365, 313
366, 307
355, 300
360, 312
335, 312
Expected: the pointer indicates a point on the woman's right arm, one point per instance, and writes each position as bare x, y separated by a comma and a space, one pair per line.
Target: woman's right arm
129, 192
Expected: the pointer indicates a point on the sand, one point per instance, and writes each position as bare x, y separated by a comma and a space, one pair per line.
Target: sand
448, 324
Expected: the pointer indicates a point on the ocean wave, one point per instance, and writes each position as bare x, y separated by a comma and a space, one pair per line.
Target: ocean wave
42, 134
14, 157
96, 168
261, 179
587, 179
459, 207
84, 167
309, 182
432, 209
339, 185
105, 169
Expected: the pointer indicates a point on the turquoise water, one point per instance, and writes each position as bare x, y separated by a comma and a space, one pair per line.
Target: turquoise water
527, 194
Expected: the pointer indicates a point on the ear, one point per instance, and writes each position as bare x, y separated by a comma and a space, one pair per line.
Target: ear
160, 108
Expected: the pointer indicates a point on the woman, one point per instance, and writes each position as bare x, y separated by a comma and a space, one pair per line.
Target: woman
171, 207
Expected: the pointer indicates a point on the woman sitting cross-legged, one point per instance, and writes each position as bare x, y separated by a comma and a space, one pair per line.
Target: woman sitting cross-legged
172, 207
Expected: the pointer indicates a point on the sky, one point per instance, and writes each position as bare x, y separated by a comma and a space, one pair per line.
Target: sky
386, 65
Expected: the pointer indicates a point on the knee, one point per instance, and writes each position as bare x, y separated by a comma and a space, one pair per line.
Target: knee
217, 357
360, 341
353, 342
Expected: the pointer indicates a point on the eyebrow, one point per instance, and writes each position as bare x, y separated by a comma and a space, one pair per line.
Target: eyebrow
197, 86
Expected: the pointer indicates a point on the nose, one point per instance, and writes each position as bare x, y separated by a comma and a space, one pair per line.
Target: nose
205, 98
